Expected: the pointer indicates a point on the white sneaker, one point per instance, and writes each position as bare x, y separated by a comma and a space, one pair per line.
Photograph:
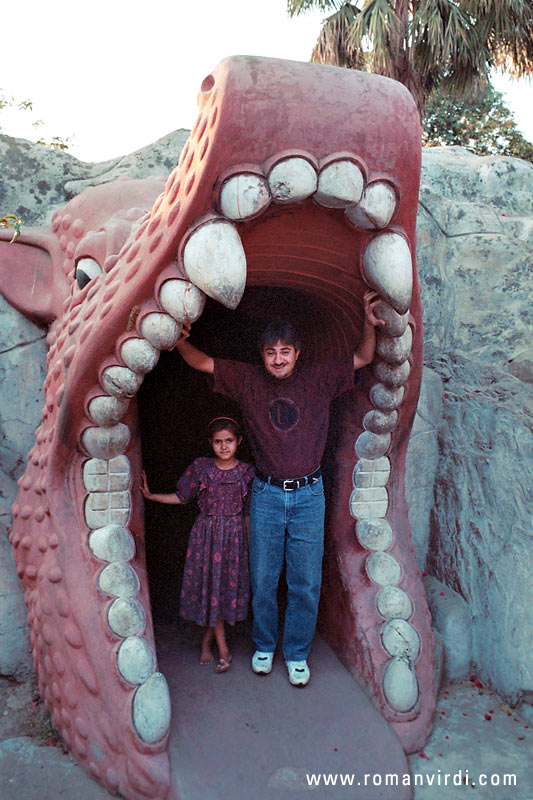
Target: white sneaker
299, 673
262, 662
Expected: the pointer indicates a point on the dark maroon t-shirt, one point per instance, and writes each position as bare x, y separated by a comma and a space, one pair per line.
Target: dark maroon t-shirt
286, 420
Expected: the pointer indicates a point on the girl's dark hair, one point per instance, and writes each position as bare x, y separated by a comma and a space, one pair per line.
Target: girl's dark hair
279, 331
223, 424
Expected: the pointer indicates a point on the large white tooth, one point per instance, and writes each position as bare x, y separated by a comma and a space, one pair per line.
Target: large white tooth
372, 445
112, 543
393, 377
388, 268
394, 603
394, 350
107, 508
182, 300
339, 185
292, 180
376, 208
374, 534
369, 473
214, 260
369, 503
106, 476
386, 399
400, 639
121, 382
151, 709
139, 355
244, 196
380, 422
126, 617
135, 660
119, 580
383, 568
106, 443
160, 330
395, 324
107, 411
400, 685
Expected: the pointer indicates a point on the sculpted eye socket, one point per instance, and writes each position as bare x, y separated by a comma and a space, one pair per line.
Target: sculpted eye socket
86, 270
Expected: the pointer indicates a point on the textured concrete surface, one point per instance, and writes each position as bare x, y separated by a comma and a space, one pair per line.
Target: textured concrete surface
479, 738
243, 735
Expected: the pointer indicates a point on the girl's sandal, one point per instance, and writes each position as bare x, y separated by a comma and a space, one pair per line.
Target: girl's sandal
223, 665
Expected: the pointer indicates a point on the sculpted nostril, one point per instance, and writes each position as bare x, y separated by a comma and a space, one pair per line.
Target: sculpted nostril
207, 84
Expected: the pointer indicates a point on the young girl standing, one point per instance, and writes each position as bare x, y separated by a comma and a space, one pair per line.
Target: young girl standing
215, 586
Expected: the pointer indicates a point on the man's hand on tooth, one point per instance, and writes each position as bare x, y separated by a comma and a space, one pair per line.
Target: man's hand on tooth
185, 333
370, 301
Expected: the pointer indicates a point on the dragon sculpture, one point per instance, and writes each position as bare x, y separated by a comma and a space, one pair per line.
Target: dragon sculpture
295, 176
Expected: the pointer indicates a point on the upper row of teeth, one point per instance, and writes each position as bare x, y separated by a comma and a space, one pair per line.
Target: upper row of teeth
213, 257
214, 260
340, 184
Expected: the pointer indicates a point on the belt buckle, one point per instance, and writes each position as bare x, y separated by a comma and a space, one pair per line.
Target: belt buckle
286, 488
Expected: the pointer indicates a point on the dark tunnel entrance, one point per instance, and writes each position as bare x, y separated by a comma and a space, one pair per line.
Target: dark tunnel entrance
176, 404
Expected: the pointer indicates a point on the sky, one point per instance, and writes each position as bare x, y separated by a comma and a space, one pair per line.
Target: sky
113, 76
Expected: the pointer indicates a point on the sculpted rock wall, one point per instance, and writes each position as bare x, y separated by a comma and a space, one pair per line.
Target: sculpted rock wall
475, 254
472, 522
22, 373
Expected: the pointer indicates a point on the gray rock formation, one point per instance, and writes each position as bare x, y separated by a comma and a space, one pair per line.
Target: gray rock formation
37, 180
422, 462
472, 525
453, 622
22, 373
475, 254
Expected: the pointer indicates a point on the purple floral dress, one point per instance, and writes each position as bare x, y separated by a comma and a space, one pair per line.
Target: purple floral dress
216, 582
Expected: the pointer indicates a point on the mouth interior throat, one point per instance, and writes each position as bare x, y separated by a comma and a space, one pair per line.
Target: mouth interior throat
175, 405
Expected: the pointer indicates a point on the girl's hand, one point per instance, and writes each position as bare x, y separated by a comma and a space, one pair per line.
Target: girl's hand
185, 333
143, 488
370, 301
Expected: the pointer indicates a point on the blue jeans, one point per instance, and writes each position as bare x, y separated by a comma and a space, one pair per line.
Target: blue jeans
286, 526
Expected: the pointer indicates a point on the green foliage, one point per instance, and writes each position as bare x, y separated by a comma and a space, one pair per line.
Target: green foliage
480, 123
56, 142
10, 102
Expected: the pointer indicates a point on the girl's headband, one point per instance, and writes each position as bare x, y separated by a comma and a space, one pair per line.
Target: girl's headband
229, 419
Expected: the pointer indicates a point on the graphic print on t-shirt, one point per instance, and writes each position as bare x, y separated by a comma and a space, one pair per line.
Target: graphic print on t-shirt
284, 414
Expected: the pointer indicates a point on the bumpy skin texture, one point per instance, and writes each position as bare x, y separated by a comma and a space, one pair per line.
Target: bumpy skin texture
297, 176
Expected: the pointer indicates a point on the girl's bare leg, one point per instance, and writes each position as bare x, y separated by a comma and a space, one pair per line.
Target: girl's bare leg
223, 651
206, 656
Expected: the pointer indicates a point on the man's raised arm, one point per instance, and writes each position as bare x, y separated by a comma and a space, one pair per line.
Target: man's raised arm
367, 346
191, 355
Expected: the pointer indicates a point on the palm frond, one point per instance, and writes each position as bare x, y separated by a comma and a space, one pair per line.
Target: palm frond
377, 23
333, 44
295, 7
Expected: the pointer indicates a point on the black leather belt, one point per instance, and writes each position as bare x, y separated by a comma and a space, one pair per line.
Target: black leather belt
290, 484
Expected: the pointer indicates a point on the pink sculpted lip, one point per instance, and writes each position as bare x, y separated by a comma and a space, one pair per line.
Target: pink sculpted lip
318, 204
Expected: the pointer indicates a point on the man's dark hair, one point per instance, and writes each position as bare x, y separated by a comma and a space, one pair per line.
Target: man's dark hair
279, 331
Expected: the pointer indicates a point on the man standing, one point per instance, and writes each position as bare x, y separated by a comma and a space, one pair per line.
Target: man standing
285, 407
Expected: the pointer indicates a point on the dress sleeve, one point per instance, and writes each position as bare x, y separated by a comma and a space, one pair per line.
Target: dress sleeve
189, 484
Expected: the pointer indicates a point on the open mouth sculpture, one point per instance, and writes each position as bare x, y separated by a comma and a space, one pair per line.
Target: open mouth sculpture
295, 176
